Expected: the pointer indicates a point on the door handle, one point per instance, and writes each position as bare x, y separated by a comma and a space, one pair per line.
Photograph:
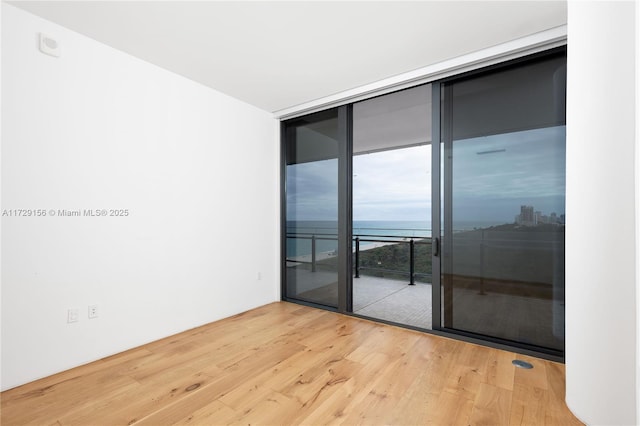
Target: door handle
436, 246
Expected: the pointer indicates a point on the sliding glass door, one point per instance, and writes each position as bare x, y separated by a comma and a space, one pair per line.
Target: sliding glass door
503, 199
439, 207
315, 225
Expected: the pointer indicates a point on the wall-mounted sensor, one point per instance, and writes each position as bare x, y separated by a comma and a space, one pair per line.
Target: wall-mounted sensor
49, 45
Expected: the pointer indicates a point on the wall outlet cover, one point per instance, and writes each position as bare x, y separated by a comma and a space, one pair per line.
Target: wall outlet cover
93, 311
49, 46
73, 315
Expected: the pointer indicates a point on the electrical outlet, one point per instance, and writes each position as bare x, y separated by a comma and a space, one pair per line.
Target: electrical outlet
93, 311
72, 315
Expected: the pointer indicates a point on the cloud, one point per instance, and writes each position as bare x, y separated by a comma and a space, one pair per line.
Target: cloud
496, 174
492, 177
393, 185
312, 191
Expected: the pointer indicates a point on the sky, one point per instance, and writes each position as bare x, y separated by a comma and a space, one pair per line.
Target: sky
393, 185
312, 191
492, 177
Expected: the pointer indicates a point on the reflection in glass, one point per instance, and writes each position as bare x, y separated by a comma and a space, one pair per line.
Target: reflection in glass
312, 209
504, 204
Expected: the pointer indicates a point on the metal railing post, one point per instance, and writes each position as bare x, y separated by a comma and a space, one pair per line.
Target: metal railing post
411, 262
357, 257
313, 253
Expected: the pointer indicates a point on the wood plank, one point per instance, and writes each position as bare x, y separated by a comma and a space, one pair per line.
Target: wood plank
527, 406
336, 408
391, 384
273, 409
229, 378
37, 404
129, 407
289, 364
492, 406
450, 409
213, 413
500, 371
539, 401
315, 385
533, 378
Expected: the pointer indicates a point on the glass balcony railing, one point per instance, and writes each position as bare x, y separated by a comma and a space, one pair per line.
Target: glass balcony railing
389, 256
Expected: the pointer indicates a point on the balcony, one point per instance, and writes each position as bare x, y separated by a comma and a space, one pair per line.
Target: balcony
393, 300
508, 283
391, 275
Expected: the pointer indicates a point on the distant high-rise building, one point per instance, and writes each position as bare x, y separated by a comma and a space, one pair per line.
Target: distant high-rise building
527, 217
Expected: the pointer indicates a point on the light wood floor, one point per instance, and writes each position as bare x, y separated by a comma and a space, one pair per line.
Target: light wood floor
289, 364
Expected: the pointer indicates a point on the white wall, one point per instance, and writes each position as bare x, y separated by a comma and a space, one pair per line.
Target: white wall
601, 331
98, 129
637, 193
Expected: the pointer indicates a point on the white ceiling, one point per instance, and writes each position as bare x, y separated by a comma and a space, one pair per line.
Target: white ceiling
276, 55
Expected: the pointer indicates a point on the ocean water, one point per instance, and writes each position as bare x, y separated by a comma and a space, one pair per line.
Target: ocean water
299, 233
325, 232
392, 228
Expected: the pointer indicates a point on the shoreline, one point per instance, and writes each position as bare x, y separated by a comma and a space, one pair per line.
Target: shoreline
306, 258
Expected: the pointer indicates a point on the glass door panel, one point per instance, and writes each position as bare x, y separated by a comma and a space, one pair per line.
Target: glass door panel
392, 207
311, 210
503, 204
